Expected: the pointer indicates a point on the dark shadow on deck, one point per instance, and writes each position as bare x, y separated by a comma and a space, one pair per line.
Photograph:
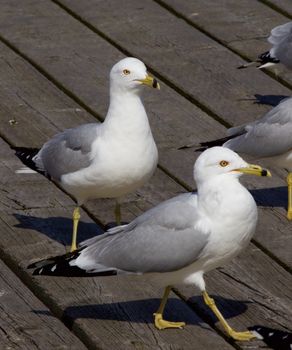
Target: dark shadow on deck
270, 100
271, 197
141, 311
58, 228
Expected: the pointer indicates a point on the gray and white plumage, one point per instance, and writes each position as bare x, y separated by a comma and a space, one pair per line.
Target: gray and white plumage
68, 151
180, 239
268, 137
109, 159
281, 39
140, 247
281, 50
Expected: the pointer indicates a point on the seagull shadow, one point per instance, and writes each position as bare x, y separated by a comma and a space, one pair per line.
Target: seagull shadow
274, 338
58, 228
271, 197
270, 100
141, 311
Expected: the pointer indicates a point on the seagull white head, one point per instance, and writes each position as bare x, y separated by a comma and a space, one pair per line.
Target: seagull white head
217, 161
130, 74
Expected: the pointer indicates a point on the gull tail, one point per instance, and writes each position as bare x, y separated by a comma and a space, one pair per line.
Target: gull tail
64, 265
26, 155
264, 60
202, 146
213, 143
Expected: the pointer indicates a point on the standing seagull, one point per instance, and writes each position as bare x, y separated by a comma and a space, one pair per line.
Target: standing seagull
269, 137
281, 51
179, 240
106, 160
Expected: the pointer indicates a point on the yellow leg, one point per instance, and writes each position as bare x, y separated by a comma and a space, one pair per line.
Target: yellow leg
159, 322
232, 333
118, 213
289, 182
76, 217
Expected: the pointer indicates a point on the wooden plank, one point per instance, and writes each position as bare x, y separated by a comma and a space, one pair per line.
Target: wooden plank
41, 111
180, 36
260, 292
183, 119
168, 132
109, 313
99, 308
25, 322
116, 312
283, 6
186, 58
243, 26
15, 253
34, 223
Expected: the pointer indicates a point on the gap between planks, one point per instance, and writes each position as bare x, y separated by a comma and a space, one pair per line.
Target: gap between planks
179, 15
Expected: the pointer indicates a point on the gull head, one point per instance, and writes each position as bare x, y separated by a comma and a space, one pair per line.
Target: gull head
130, 74
217, 161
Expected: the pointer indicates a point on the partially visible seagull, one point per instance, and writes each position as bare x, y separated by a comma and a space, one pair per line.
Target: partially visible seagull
281, 51
179, 240
269, 137
103, 160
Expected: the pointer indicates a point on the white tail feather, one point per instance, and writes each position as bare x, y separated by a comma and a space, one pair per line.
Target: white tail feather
25, 170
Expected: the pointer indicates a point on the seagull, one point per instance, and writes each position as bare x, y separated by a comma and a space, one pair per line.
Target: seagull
180, 239
281, 51
269, 137
103, 160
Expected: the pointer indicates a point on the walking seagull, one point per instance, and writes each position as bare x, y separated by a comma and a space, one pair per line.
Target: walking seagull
269, 137
281, 51
103, 160
179, 240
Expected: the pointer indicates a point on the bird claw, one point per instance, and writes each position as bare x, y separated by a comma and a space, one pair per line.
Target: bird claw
160, 323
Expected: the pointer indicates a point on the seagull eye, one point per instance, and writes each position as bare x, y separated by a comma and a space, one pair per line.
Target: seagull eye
126, 72
223, 163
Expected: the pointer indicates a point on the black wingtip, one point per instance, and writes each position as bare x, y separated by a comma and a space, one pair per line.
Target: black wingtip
26, 155
266, 57
61, 266
274, 338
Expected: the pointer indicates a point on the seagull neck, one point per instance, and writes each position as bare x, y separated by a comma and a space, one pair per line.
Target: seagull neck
214, 193
127, 107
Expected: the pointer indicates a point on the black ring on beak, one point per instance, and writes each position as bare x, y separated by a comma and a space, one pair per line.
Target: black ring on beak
155, 83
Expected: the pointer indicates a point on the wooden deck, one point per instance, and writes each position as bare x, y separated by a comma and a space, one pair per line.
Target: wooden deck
55, 58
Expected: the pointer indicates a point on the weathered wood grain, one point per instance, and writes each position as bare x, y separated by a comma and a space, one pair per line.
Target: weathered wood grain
105, 313
109, 305
242, 26
41, 225
193, 62
173, 118
47, 111
260, 291
36, 215
117, 312
25, 322
282, 6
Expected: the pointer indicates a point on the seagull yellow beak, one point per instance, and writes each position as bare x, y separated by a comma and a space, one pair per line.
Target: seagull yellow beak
150, 81
254, 170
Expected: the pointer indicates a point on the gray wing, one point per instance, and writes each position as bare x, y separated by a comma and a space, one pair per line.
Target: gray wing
281, 38
266, 137
68, 151
163, 239
280, 33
